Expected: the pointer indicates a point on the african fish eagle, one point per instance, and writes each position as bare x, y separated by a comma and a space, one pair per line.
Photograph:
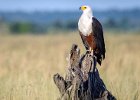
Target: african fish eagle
91, 32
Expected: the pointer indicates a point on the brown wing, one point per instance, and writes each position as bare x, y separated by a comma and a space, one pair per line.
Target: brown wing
99, 38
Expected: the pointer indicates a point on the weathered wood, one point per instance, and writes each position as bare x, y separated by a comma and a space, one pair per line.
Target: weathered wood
82, 81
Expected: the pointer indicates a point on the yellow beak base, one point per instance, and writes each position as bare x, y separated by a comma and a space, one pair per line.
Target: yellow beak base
83, 8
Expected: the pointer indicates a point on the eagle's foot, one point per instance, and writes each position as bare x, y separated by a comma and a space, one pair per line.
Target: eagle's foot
89, 53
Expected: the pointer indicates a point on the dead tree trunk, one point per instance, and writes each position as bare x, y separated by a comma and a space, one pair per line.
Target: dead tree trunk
82, 81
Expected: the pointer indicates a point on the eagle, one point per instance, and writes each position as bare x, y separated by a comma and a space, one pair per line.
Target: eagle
91, 32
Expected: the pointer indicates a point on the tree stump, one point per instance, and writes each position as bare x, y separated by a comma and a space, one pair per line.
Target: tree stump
82, 81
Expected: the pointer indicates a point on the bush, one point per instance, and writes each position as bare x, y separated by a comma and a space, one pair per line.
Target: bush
21, 27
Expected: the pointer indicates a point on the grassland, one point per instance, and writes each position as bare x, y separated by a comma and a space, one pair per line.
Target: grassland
28, 63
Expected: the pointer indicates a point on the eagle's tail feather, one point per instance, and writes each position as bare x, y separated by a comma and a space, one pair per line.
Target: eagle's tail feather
99, 58
99, 61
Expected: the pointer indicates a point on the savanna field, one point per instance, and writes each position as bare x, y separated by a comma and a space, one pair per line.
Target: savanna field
28, 63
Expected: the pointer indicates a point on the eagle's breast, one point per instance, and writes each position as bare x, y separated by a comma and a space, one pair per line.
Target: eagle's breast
85, 25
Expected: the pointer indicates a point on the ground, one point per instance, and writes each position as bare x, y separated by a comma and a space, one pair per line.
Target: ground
28, 63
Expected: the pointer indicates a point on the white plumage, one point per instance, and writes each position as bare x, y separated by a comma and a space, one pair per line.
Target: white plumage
85, 22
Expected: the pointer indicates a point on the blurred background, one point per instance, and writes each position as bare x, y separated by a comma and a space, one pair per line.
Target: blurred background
36, 37
42, 16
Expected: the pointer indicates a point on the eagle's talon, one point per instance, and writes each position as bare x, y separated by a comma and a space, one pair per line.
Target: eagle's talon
88, 52
91, 55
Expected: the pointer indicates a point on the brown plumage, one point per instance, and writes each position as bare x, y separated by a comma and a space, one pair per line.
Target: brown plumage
89, 41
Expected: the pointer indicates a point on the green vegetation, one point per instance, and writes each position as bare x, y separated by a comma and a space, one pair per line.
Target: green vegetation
26, 27
21, 27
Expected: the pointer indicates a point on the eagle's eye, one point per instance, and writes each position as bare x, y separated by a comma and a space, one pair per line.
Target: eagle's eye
85, 7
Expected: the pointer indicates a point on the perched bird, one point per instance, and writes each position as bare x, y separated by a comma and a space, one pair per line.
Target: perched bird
91, 32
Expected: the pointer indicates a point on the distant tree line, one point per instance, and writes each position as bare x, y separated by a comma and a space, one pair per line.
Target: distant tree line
42, 22
35, 28
121, 24
24, 27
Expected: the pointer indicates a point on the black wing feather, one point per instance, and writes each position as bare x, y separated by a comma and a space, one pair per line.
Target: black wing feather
99, 38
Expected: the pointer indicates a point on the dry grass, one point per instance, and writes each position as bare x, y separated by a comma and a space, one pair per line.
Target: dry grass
27, 65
